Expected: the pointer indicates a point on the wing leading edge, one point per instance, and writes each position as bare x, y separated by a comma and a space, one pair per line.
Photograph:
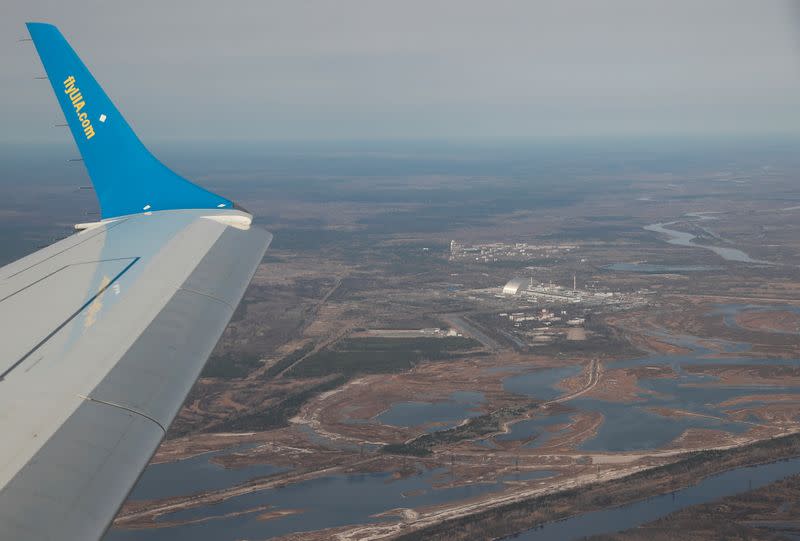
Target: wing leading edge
105, 332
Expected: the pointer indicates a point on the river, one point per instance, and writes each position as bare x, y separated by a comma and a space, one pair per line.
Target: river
322, 502
635, 514
682, 238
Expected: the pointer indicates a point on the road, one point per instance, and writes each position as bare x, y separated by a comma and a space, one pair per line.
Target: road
595, 372
469, 329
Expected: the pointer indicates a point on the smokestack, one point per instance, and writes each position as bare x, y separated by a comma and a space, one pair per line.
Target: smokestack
574, 282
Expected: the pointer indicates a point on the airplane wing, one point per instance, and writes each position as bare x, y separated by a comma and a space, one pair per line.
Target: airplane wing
105, 332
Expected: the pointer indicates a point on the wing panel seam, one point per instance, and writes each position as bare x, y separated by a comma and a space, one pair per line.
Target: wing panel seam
208, 295
111, 225
46, 276
125, 408
66, 321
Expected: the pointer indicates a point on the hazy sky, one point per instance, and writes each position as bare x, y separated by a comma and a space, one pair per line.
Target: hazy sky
207, 69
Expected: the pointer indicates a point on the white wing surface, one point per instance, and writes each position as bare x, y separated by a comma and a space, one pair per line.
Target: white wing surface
105, 332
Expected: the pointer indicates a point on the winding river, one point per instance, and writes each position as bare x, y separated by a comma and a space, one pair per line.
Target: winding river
681, 238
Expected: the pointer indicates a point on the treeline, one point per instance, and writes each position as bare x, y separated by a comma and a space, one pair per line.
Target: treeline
231, 365
288, 360
473, 428
378, 355
275, 415
350, 357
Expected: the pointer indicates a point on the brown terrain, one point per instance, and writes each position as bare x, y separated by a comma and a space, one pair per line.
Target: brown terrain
769, 321
335, 334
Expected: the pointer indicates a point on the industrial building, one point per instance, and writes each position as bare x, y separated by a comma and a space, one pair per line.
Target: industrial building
525, 289
513, 286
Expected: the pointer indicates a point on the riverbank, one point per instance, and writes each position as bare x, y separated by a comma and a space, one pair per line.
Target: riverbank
510, 519
764, 514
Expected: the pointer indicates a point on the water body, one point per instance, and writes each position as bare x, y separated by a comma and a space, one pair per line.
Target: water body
541, 384
334, 500
647, 268
632, 515
699, 348
634, 426
195, 474
681, 238
434, 415
630, 427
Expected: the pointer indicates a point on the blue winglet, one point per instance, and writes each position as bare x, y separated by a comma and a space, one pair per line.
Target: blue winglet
127, 178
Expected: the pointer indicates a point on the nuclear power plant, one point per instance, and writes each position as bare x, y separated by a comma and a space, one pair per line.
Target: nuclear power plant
531, 290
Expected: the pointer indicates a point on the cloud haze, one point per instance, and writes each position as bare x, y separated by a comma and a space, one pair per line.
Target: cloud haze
357, 69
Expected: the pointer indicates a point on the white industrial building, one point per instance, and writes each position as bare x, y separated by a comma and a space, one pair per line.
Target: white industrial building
513, 286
